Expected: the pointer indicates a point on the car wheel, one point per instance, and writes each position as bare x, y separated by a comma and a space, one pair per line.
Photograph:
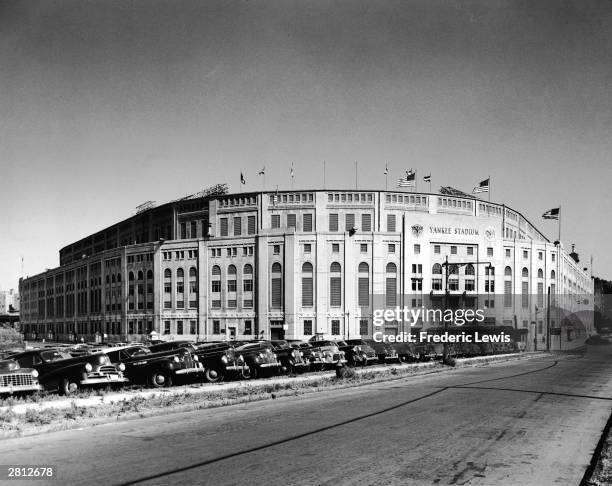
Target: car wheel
160, 379
213, 376
69, 387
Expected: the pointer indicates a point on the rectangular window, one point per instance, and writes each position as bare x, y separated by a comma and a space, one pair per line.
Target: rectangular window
276, 249
237, 226
193, 327
552, 257
364, 292
417, 249
508, 293
391, 222
308, 328
291, 221
193, 233
363, 247
470, 250
335, 292
215, 286
489, 252
247, 303
248, 327
437, 249
307, 292
277, 293
349, 221
540, 255
436, 284
232, 303
453, 250
183, 231
231, 286
179, 327
180, 304
335, 330
525, 254
307, 223
251, 225
307, 248
333, 222
391, 292
366, 222
391, 248
216, 304
508, 253
417, 284
166, 327
336, 247
216, 327
363, 327
224, 230
276, 221
248, 285
469, 285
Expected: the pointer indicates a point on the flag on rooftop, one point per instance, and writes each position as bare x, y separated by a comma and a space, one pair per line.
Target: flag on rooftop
242, 181
386, 169
482, 187
408, 181
551, 214
262, 171
427, 178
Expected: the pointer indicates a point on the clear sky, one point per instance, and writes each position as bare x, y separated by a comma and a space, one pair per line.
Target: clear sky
107, 104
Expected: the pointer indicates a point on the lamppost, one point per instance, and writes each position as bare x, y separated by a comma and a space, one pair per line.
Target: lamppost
447, 293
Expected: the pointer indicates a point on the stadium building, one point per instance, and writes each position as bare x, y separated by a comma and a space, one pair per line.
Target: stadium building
292, 264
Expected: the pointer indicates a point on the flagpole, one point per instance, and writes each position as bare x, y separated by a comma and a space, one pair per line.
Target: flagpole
386, 180
416, 182
559, 223
323, 174
355, 175
489, 188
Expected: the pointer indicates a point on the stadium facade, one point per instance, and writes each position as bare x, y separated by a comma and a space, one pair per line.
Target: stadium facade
292, 264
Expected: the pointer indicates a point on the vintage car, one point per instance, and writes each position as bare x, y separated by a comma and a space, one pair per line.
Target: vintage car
217, 358
312, 356
14, 379
385, 352
259, 358
156, 369
358, 352
58, 370
291, 359
331, 355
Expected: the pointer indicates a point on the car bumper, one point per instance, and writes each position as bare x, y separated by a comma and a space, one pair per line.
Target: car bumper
99, 379
268, 365
189, 371
19, 388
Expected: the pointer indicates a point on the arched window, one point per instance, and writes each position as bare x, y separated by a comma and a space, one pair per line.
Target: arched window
167, 288
216, 271
508, 287
508, 272
118, 277
540, 273
193, 288
277, 286
469, 269
364, 285
193, 273
215, 283
232, 285
180, 283
525, 288
167, 274
150, 275
553, 275
391, 285
335, 285
307, 285
247, 283
248, 269
140, 275
525, 273
436, 269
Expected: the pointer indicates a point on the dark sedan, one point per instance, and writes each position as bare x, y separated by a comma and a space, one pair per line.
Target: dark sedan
14, 379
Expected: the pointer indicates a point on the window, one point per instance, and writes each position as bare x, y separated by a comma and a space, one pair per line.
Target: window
291, 221
437, 249
525, 254
183, 231
180, 281
231, 279
540, 255
391, 285
248, 327
276, 221
470, 250
237, 226
391, 222
363, 285
333, 222
335, 330
364, 247
436, 269
366, 222
307, 248
363, 327
417, 284
453, 250
247, 278
277, 287
436, 284
469, 285
308, 327
179, 327
224, 230
166, 327
216, 327
489, 251
391, 248
508, 254
336, 247
307, 285
250, 225
307, 222
193, 232
349, 221
417, 249
552, 256
335, 285
276, 249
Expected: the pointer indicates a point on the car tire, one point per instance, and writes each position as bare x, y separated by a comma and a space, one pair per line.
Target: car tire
68, 387
212, 375
160, 379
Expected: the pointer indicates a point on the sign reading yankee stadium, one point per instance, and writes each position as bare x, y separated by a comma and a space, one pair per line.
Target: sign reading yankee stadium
453, 230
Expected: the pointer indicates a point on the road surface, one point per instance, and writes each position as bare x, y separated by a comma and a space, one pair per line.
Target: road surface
534, 422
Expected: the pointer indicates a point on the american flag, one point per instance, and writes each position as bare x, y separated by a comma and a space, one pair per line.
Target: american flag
242, 181
427, 178
408, 181
552, 213
482, 187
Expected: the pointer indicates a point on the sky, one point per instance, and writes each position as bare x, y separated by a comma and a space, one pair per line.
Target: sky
107, 104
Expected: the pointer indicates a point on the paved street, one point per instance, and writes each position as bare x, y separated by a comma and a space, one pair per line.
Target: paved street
532, 422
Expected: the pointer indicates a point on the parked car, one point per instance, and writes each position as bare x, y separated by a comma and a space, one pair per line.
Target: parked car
358, 352
58, 370
259, 358
14, 379
291, 359
329, 352
156, 369
385, 352
311, 355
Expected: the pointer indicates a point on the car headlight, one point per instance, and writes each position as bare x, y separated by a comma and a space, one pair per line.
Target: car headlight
88, 367
121, 367
35, 373
176, 359
195, 357
240, 358
224, 358
261, 355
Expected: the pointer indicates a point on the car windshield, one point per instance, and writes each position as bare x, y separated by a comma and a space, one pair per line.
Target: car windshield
138, 351
54, 355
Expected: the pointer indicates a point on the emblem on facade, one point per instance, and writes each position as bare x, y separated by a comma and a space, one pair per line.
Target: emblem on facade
417, 229
490, 233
